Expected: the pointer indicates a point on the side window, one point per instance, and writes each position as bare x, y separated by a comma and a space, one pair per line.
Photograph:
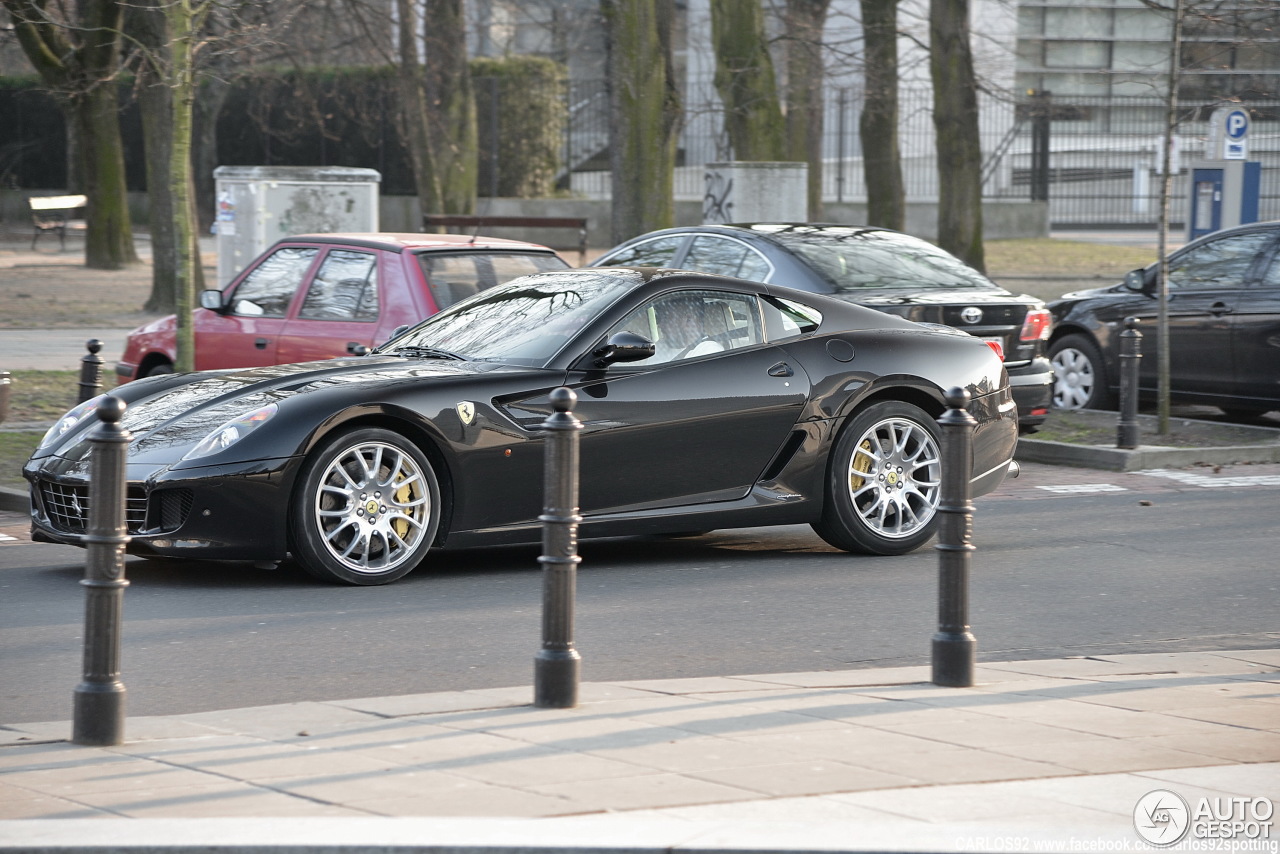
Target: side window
345, 288
725, 257
784, 318
689, 324
268, 290
659, 252
1219, 264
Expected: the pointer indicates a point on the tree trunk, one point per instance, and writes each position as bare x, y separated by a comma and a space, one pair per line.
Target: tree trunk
78, 61
414, 115
204, 146
644, 111
805, 105
147, 26
878, 125
746, 83
452, 104
183, 22
955, 120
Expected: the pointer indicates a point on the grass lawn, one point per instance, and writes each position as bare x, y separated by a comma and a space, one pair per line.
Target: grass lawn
33, 396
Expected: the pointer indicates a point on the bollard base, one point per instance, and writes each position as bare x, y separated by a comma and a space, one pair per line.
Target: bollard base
555, 679
955, 656
98, 714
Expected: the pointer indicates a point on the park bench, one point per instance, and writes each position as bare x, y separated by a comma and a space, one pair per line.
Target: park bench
430, 221
53, 213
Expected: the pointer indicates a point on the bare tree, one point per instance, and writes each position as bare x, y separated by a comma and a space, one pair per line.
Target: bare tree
644, 110
805, 20
955, 120
745, 80
451, 104
878, 124
75, 48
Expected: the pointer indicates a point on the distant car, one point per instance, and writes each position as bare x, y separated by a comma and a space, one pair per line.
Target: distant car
875, 267
1224, 327
706, 402
315, 296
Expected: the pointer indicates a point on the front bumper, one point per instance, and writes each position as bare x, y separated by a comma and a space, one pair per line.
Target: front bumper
237, 511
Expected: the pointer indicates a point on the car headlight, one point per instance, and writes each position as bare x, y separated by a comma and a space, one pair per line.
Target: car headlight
230, 432
69, 421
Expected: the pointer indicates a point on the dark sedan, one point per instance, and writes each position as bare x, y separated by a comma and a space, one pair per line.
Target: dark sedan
706, 403
1224, 327
875, 267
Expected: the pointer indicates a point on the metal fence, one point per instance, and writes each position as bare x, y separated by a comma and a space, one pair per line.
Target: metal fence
1101, 170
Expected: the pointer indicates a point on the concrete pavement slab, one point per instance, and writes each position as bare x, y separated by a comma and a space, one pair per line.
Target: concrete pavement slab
892, 757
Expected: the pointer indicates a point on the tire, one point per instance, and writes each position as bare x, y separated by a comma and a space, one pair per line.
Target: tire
157, 370
884, 479
1079, 374
367, 509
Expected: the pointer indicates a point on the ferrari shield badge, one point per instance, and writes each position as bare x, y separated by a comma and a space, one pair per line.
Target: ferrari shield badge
466, 411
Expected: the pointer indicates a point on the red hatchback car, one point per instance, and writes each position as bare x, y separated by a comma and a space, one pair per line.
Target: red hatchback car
317, 296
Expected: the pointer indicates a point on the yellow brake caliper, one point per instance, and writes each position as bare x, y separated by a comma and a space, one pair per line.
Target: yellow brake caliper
403, 494
861, 465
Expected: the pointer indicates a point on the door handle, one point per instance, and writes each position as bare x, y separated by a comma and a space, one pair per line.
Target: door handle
260, 343
782, 369
1219, 308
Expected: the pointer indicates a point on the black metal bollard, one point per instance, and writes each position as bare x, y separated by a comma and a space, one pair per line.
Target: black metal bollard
556, 666
99, 698
954, 646
90, 371
1130, 360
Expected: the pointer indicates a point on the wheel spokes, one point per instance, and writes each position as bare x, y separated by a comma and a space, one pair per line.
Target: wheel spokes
372, 507
894, 477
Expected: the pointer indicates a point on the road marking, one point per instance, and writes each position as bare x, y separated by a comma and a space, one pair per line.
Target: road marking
4, 538
1084, 487
1193, 479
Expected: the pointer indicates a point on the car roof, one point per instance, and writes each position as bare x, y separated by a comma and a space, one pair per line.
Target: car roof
410, 241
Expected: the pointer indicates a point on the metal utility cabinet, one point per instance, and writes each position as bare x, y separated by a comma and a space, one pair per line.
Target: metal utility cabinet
258, 205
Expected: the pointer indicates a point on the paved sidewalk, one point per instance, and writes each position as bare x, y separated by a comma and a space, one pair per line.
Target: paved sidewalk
1039, 752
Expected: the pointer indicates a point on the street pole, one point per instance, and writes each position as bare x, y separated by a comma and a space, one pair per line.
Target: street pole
556, 665
98, 717
954, 646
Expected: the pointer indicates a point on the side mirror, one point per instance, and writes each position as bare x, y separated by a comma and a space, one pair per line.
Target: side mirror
1136, 281
624, 347
211, 300
355, 348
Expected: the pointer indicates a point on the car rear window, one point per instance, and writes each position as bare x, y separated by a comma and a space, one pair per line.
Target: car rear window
867, 260
455, 277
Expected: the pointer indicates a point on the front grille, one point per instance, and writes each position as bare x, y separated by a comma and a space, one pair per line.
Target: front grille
67, 506
169, 509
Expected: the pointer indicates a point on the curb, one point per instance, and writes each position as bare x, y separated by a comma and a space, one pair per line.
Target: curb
1142, 457
14, 500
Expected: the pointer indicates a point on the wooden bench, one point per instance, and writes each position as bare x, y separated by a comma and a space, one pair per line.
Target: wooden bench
430, 221
53, 213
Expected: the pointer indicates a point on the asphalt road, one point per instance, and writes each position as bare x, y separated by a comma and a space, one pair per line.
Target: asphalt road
1076, 573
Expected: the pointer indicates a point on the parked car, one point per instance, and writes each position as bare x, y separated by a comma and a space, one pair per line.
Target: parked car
314, 296
707, 402
874, 267
1224, 327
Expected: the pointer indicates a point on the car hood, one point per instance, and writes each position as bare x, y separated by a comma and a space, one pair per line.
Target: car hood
168, 415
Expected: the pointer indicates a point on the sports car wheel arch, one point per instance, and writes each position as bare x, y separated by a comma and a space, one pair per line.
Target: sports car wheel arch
367, 508
884, 479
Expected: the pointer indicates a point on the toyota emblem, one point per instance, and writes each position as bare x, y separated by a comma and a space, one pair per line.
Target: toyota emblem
971, 314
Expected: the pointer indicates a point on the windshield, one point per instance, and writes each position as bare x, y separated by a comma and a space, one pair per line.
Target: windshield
853, 259
523, 322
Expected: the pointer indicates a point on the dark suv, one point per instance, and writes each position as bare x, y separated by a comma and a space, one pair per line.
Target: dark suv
875, 267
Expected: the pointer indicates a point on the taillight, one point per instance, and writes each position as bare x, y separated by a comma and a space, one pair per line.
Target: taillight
996, 347
1036, 325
